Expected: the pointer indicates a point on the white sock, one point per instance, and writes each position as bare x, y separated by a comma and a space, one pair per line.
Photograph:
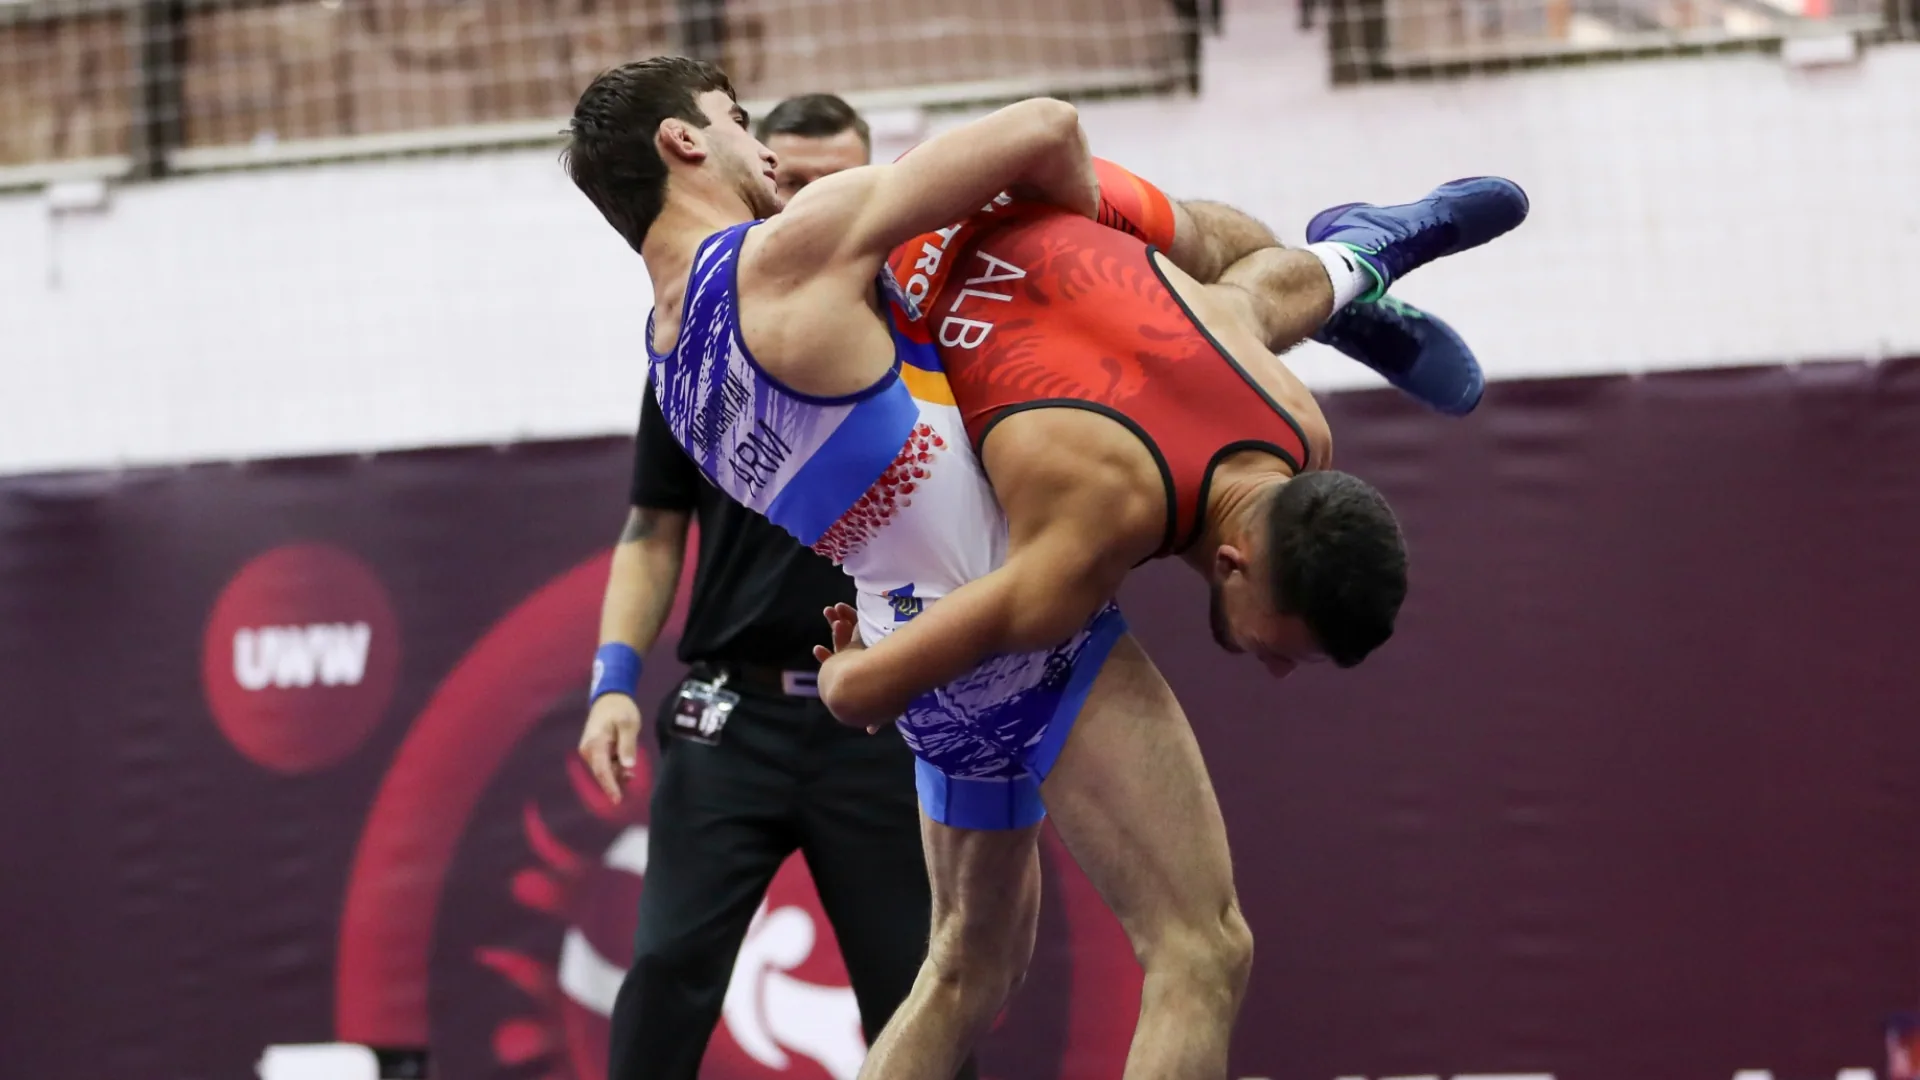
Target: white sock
1351, 278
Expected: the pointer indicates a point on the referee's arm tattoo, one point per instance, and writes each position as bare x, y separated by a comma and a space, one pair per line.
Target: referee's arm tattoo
642, 523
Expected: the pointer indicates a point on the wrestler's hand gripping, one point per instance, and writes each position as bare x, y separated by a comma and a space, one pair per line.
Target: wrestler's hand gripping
846, 648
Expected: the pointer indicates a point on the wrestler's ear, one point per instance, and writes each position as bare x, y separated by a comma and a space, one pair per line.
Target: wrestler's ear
678, 140
1226, 560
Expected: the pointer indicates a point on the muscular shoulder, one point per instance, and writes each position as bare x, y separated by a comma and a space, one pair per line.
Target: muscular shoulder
1064, 469
810, 234
807, 305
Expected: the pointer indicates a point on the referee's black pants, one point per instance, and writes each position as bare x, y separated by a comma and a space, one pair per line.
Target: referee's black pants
785, 776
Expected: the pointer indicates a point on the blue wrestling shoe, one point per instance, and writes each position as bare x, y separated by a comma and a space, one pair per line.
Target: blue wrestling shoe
1396, 240
1410, 349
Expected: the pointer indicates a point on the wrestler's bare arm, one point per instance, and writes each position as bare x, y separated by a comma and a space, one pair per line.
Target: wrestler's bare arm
807, 275
847, 223
1078, 523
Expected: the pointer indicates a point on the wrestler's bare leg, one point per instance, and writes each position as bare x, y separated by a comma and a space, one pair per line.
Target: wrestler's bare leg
1410, 348
1281, 294
1131, 798
986, 910
1149, 837
1286, 292
1208, 237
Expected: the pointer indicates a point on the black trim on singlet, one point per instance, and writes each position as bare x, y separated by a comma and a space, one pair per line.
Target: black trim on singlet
1206, 480
1159, 459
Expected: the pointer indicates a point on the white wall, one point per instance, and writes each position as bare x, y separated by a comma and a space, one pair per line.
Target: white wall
1721, 210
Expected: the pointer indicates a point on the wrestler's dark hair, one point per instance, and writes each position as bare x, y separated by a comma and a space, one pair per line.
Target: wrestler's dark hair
1337, 561
813, 116
611, 153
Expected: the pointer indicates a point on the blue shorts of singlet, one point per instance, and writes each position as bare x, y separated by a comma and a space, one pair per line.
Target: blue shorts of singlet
984, 743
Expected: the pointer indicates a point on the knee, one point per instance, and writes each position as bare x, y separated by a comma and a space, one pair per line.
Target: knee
982, 959
1212, 954
681, 958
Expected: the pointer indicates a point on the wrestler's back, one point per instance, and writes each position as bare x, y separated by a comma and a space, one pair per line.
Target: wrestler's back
1040, 307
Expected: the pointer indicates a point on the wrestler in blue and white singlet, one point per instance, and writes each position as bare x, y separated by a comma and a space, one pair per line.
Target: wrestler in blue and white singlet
884, 483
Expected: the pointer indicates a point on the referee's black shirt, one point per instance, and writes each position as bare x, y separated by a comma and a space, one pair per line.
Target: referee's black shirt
757, 594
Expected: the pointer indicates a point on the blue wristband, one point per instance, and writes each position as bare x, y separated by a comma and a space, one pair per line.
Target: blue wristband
616, 670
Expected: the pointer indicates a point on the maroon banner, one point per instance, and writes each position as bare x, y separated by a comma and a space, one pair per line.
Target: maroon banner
290, 758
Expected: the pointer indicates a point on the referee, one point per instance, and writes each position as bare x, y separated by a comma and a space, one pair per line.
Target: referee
752, 766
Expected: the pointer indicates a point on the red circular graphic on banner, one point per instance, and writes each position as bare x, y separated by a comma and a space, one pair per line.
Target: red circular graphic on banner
791, 1013
299, 657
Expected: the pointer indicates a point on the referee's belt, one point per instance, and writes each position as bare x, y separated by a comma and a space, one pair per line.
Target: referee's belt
789, 682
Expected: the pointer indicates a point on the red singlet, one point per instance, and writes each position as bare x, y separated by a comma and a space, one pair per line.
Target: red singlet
1034, 307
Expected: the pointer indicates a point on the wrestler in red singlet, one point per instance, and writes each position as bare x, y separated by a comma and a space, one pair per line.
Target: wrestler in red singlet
1035, 307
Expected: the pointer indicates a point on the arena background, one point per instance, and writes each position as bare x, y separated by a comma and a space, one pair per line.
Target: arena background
314, 386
